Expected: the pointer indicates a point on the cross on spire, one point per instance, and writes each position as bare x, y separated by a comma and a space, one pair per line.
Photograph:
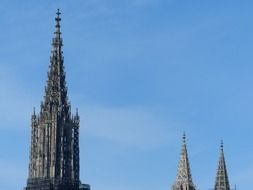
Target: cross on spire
58, 12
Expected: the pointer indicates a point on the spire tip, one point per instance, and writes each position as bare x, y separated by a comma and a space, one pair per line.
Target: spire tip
184, 138
58, 19
58, 12
221, 145
183, 178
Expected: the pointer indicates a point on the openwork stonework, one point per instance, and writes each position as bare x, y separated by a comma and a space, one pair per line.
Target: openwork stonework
54, 150
221, 182
184, 177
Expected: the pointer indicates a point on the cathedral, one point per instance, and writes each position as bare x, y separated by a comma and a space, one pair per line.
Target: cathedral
184, 178
54, 150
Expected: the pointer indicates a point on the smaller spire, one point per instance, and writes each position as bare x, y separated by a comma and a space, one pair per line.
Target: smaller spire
184, 178
76, 117
222, 182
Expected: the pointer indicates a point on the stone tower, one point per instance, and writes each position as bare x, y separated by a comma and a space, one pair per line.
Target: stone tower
54, 150
184, 178
222, 182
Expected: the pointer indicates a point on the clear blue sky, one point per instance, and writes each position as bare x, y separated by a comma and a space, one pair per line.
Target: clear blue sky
141, 72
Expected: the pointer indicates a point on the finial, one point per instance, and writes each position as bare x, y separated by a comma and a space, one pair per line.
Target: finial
58, 19
183, 178
57, 38
221, 145
76, 111
184, 138
33, 110
58, 12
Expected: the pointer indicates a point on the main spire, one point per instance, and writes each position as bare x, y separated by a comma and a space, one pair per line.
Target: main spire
56, 90
222, 182
54, 151
184, 178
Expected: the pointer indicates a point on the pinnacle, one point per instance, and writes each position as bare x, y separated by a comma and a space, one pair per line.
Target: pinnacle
222, 182
184, 178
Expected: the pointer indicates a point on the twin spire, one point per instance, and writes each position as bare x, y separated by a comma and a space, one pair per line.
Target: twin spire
222, 182
184, 179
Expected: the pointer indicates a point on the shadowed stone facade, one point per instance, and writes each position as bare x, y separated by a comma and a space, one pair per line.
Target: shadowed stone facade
54, 150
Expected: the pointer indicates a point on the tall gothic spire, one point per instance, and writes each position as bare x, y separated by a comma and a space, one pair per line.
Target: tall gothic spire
222, 182
54, 150
56, 90
184, 178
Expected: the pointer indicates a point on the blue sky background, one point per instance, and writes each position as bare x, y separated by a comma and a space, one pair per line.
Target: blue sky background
141, 72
